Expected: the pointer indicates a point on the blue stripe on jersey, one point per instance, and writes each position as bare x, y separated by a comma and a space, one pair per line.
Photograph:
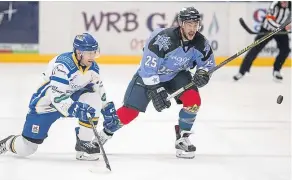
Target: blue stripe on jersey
67, 60
38, 95
42, 87
71, 72
60, 80
94, 67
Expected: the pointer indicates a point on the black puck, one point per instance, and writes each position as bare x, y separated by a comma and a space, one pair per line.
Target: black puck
279, 99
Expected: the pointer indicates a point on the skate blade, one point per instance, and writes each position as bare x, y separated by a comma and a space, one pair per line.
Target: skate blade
3, 143
3, 151
185, 155
82, 156
277, 80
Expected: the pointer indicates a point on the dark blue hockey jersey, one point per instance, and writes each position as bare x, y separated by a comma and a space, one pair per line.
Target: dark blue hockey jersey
165, 54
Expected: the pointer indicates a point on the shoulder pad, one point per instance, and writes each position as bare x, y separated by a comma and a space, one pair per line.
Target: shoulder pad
94, 67
202, 45
164, 42
67, 60
199, 41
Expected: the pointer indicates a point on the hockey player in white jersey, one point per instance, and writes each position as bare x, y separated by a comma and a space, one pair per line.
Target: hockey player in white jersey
71, 87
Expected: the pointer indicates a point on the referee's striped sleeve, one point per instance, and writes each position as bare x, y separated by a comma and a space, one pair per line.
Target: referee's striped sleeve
274, 14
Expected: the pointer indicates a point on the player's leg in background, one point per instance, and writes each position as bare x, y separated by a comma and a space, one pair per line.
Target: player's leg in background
191, 101
284, 50
34, 132
135, 101
251, 56
85, 148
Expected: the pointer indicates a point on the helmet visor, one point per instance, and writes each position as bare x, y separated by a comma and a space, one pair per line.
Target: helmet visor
91, 54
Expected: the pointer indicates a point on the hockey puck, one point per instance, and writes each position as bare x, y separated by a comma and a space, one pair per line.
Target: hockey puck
279, 99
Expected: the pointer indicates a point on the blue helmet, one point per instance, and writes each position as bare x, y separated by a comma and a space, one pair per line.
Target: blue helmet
85, 42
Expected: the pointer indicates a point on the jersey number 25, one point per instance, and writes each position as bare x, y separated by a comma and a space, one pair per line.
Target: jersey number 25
151, 61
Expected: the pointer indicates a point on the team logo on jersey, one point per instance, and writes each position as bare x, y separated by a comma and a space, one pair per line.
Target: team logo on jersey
163, 42
180, 61
35, 129
59, 68
61, 98
55, 89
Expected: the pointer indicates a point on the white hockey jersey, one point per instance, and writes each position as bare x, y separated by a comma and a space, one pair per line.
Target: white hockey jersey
62, 78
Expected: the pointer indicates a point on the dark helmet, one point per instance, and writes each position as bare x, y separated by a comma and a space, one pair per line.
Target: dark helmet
188, 13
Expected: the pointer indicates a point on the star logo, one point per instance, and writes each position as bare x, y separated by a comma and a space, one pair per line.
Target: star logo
155, 80
163, 42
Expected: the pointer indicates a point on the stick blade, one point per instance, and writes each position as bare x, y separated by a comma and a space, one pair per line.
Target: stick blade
109, 167
242, 23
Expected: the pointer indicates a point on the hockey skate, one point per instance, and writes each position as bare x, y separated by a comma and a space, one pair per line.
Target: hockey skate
3, 145
104, 136
277, 76
86, 150
238, 76
184, 148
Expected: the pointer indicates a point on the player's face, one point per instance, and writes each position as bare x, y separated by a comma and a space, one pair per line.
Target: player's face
87, 57
190, 28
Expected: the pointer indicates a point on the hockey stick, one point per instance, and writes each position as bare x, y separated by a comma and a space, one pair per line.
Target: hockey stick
59, 99
243, 24
100, 144
257, 42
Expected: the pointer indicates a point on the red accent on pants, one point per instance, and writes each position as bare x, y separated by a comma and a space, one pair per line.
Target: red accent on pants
127, 114
190, 97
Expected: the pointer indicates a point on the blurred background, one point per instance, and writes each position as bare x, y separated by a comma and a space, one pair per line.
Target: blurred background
36, 31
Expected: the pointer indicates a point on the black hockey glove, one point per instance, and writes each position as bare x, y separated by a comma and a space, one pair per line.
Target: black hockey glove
158, 96
201, 78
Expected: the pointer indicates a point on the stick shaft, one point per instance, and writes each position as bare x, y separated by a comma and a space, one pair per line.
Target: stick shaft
255, 43
100, 145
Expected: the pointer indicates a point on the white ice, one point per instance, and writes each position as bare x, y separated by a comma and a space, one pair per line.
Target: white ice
241, 133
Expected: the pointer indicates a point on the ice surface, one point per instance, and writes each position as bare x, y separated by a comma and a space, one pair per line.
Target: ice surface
241, 133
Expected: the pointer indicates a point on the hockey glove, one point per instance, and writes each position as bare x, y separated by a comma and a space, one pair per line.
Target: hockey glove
158, 96
201, 78
111, 120
81, 110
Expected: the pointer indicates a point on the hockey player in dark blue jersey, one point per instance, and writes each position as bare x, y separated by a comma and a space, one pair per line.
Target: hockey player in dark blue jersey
168, 56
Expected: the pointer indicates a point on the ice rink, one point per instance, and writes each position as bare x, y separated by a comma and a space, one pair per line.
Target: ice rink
241, 133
